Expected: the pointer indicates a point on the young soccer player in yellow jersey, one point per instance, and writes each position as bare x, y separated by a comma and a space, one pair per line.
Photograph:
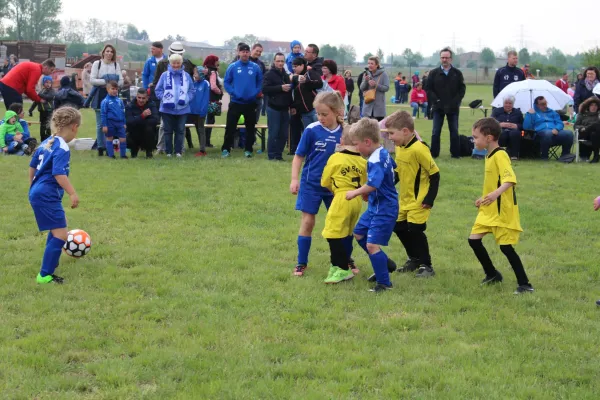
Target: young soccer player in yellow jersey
345, 170
498, 210
419, 182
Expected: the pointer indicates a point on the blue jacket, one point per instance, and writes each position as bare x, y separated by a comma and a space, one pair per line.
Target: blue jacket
292, 55
112, 111
505, 76
542, 121
243, 82
199, 105
160, 91
149, 69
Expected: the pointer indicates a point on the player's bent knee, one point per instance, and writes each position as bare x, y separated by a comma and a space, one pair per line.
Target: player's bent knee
60, 233
373, 248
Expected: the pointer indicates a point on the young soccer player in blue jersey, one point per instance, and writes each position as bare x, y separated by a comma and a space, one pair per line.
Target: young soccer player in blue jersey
112, 113
317, 144
376, 225
48, 177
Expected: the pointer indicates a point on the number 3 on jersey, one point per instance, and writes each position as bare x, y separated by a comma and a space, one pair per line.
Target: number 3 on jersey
356, 180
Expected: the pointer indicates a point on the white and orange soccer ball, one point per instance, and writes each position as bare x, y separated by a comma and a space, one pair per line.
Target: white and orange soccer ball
78, 243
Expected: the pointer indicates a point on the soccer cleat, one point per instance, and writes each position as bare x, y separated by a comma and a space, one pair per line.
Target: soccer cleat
598, 303
49, 278
299, 270
490, 280
339, 275
224, 154
425, 272
331, 272
391, 268
524, 289
352, 266
200, 154
248, 154
381, 288
410, 265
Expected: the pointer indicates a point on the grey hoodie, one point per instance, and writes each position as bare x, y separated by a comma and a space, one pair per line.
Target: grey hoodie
376, 108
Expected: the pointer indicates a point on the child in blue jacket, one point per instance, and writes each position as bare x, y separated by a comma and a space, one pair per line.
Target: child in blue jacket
112, 112
199, 109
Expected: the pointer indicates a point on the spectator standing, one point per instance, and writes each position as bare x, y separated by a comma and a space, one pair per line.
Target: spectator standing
85, 78
305, 82
330, 75
563, 83
548, 127
415, 78
175, 90
588, 124
397, 81
199, 109
156, 49
257, 50
585, 87
313, 61
349, 86
278, 91
296, 48
243, 82
508, 74
526, 72
112, 111
12, 62
445, 91
404, 88
511, 122
22, 79
375, 78
104, 70
141, 117
418, 98
45, 107
211, 63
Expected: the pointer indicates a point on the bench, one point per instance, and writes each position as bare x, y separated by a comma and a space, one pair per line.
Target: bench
261, 131
485, 110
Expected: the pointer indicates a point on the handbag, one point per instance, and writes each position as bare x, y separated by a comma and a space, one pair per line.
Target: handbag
369, 95
214, 108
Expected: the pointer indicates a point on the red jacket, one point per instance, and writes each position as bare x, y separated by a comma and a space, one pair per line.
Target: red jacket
337, 83
23, 78
418, 96
564, 86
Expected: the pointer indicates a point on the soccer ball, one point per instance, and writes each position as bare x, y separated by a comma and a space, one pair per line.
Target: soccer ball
78, 243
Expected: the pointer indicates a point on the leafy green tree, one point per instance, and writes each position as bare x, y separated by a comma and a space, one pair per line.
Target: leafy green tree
34, 19
367, 56
592, 57
380, 54
488, 58
524, 57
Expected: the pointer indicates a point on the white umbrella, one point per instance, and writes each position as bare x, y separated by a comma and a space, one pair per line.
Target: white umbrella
596, 89
526, 91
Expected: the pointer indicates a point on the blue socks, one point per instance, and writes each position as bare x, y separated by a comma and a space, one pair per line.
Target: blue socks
303, 249
51, 255
379, 262
110, 151
123, 149
348, 245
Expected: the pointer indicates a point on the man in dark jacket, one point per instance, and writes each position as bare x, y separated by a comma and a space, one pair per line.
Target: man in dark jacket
255, 54
141, 117
304, 83
508, 74
315, 63
445, 91
511, 121
66, 96
278, 92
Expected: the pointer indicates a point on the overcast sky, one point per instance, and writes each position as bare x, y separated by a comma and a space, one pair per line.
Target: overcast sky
426, 27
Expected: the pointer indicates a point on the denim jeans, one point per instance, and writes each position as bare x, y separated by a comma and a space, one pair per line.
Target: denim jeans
438, 123
415, 107
547, 140
279, 125
174, 124
309, 117
99, 134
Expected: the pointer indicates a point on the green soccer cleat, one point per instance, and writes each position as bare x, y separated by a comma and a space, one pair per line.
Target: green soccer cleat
48, 279
339, 275
332, 270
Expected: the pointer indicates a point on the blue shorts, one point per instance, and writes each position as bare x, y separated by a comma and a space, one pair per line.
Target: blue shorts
377, 228
116, 131
309, 201
49, 216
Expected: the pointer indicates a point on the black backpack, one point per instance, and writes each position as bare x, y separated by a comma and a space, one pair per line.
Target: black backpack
466, 145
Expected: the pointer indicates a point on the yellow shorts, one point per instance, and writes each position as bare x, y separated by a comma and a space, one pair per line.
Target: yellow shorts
342, 217
502, 235
418, 216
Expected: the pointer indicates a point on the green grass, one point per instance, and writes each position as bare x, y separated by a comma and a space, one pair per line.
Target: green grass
188, 291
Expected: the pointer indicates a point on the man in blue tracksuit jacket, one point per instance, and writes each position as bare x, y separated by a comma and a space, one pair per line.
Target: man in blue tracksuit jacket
150, 66
243, 82
508, 74
548, 127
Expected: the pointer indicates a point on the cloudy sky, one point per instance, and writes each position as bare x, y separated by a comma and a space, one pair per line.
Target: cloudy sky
427, 27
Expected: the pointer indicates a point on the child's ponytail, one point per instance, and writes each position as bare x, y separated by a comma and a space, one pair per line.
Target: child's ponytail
61, 118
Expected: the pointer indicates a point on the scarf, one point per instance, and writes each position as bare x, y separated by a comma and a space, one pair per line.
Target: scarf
169, 96
590, 85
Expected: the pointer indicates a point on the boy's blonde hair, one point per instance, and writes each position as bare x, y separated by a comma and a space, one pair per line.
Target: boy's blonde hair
347, 136
334, 101
175, 57
400, 120
366, 128
61, 118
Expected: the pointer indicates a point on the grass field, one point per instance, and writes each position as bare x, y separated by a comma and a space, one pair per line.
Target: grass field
188, 291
